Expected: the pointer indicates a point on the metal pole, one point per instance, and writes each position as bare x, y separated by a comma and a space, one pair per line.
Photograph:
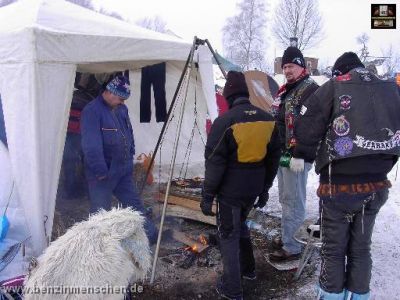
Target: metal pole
171, 170
215, 57
165, 123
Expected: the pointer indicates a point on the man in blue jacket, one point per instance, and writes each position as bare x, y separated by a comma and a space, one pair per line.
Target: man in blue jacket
108, 146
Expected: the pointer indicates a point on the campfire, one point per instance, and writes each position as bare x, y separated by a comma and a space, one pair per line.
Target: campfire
198, 251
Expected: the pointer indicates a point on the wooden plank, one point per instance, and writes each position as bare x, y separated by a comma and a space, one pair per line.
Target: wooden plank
186, 213
183, 238
184, 202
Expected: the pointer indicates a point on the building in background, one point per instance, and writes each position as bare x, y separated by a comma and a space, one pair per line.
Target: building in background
311, 64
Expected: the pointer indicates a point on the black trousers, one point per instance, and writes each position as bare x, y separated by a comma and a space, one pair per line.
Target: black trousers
235, 244
347, 225
153, 75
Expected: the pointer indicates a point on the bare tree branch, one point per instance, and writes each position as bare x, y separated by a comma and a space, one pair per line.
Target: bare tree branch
156, 24
392, 61
363, 52
6, 2
84, 3
300, 19
243, 39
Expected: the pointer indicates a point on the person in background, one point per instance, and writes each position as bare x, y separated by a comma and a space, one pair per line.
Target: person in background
242, 154
87, 89
293, 172
108, 147
351, 127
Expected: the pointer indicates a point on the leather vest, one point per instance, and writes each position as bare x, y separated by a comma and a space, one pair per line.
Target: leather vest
365, 118
292, 109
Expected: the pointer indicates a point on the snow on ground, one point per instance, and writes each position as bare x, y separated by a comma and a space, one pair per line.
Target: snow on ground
385, 240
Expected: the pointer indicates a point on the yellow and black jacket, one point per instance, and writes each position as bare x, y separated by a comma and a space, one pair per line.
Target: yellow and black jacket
242, 152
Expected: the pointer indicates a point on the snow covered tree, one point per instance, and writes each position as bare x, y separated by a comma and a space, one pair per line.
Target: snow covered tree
299, 19
84, 3
363, 52
89, 5
156, 24
6, 2
392, 61
243, 35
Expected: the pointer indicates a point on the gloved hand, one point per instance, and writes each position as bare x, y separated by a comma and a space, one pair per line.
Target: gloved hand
262, 200
296, 164
206, 205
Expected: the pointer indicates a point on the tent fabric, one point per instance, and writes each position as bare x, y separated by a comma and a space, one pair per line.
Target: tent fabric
194, 119
42, 44
35, 117
57, 29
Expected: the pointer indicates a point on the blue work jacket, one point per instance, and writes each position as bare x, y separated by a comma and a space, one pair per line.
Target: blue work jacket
107, 139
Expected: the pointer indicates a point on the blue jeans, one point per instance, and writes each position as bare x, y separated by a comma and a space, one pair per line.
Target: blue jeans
122, 186
292, 196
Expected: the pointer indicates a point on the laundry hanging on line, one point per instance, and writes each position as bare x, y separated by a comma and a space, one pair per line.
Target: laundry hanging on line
153, 75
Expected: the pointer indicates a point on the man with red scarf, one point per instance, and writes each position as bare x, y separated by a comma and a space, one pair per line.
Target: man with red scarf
292, 172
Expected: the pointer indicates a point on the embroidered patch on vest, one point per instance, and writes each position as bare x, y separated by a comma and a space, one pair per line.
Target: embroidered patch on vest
361, 71
345, 101
303, 110
343, 146
341, 126
345, 77
365, 77
391, 143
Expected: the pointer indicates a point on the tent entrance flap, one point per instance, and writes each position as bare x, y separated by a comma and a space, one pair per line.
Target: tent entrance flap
36, 113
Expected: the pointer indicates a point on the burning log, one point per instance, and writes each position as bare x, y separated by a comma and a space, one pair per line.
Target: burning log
195, 246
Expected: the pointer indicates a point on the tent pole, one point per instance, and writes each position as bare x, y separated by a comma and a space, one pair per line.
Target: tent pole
215, 57
167, 118
175, 148
196, 42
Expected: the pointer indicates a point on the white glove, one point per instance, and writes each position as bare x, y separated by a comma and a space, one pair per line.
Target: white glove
296, 164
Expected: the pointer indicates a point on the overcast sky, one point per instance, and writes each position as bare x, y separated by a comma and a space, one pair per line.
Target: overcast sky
344, 20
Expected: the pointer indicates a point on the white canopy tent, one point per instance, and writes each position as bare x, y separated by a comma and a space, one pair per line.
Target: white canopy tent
42, 45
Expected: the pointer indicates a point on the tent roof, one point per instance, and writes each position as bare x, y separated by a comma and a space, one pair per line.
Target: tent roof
59, 31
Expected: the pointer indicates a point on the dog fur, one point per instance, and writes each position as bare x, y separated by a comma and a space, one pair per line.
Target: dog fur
109, 249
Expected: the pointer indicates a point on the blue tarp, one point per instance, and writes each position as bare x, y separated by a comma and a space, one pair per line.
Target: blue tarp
226, 64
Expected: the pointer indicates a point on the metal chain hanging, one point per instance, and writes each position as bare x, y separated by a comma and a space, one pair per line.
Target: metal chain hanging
186, 159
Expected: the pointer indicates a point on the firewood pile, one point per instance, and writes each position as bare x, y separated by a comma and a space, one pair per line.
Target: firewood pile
184, 199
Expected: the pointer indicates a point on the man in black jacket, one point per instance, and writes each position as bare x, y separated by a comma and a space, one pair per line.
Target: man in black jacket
242, 154
292, 173
351, 127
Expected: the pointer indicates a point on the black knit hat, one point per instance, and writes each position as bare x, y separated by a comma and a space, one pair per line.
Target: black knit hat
235, 85
346, 62
293, 55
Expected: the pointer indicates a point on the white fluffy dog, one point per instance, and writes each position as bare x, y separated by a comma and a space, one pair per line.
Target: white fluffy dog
108, 250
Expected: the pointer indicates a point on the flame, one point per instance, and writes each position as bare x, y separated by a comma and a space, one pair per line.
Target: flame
203, 239
192, 248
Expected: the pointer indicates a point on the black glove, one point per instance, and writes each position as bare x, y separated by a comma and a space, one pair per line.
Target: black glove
206, 205
262, 200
